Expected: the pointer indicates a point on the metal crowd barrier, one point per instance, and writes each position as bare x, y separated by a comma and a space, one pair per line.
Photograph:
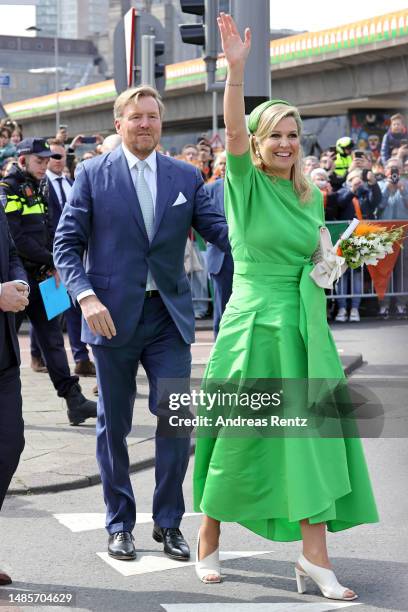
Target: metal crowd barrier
201, 286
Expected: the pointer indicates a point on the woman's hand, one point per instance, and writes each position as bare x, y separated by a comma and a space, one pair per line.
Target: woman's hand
235, 50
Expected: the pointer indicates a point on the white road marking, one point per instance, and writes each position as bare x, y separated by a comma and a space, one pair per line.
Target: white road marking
383, 378
157, 562
257, 607
88, 521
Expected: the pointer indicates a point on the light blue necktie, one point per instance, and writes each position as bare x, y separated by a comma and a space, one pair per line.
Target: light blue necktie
146, 204
145, 198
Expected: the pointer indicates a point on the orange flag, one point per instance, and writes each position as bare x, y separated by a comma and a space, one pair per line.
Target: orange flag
380, 274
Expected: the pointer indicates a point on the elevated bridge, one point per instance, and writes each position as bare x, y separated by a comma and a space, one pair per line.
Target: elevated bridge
361, 65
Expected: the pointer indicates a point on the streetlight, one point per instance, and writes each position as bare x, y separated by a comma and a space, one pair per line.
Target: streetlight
56, 62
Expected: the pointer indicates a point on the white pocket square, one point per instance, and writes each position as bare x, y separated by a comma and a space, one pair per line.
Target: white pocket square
180, 200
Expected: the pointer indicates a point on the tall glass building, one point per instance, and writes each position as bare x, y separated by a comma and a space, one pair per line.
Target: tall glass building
77, 18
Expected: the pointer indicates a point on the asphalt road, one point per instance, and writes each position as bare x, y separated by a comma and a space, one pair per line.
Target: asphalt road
45, 555
56, 543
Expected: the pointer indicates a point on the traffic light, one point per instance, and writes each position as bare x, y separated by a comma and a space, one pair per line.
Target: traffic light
138, 42
159, 69
204, 34
151, 70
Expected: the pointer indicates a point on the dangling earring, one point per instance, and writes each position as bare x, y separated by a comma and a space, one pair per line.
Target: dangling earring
257, 153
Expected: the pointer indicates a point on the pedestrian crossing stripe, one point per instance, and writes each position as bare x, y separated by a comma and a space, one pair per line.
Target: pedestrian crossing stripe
257, 607
88, 521
148, 562
151, 561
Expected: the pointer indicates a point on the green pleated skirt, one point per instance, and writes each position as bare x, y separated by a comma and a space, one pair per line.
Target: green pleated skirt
270, 484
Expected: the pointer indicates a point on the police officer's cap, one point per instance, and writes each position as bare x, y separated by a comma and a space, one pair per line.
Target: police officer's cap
35, 146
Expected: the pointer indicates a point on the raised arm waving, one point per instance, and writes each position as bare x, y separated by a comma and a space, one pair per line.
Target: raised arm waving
236, 52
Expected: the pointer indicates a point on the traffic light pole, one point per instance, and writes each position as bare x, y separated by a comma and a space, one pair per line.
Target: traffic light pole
211, 45
257, 78
257, 71
138, 42
257, 86
214, 113
148, 58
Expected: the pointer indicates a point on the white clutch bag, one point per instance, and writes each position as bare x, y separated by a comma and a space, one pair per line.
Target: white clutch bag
328, 266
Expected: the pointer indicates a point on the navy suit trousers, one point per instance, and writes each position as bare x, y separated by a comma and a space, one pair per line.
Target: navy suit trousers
50, 340
11, 426
73, 321
159, 347
222, 284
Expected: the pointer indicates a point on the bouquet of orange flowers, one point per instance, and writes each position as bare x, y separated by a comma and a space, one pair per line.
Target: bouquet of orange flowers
368, 243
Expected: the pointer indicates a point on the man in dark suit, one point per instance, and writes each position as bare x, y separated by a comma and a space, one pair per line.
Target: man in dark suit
13, 298
220, 264
23, 192
59, 188
131, 210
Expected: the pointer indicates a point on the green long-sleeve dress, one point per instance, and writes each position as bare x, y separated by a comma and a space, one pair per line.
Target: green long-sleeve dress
275, 327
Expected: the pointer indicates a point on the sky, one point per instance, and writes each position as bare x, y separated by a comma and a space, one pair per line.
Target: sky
297, 15
14, 19
321, 14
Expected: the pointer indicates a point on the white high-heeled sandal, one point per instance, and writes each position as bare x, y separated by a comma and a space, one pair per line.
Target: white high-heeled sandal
209, 566
324, 578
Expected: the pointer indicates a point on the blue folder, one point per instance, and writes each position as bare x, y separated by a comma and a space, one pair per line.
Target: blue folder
55, 300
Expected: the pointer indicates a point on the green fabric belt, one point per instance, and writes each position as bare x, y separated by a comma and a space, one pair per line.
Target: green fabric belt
313, 319
250, 268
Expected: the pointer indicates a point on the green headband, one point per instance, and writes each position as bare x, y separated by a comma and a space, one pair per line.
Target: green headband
255, 116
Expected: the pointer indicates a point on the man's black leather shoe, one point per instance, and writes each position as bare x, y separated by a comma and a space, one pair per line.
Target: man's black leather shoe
175, 545
79, 408
120, 546
4, 578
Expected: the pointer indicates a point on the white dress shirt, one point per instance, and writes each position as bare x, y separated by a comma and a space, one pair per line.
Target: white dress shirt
150, 174
53, 178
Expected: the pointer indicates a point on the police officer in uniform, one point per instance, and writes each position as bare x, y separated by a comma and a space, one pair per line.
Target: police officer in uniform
343, 160
59, 188
13, 298
23, 195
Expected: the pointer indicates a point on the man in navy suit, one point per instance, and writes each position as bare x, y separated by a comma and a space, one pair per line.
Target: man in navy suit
131, 211
59, 188
13, 298
220, 264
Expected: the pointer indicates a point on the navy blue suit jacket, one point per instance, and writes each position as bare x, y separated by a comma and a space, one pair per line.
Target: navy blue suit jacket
54, 205
103, 217
10, 269
215, 256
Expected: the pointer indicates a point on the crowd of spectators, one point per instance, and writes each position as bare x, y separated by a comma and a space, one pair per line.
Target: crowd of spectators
357, 183
367, 183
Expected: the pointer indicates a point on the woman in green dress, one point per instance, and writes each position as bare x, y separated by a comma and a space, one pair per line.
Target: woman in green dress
274, 327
